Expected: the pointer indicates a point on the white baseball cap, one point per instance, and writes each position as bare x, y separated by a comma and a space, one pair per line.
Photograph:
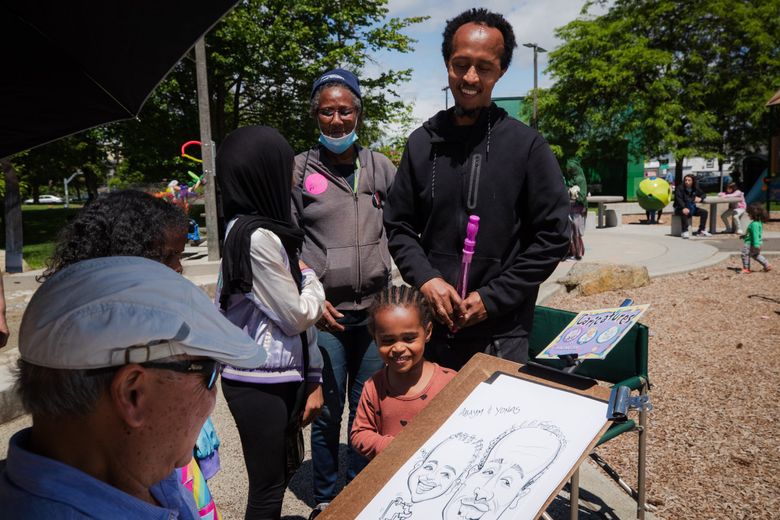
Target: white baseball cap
117, 310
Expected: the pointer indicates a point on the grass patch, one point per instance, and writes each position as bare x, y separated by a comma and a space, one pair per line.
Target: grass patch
41, 223
40, 226
36, 255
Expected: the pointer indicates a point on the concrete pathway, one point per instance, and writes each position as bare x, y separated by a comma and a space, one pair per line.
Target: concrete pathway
650, 246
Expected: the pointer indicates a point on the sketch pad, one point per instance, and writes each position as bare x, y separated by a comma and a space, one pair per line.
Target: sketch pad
498, 446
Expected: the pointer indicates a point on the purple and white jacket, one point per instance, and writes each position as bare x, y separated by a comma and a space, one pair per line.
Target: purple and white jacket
274, 314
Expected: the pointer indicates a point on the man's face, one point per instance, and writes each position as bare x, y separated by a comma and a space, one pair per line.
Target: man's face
488, 492
500, 484
475, 65
688, 182
440, 469
181, 405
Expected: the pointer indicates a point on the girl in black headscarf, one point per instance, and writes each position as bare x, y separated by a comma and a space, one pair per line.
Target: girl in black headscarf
265, 290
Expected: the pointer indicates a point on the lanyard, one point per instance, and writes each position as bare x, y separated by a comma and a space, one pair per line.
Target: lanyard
357, 175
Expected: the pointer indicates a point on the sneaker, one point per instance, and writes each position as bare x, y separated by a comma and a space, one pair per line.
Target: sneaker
702, 233
318, 509
686, 234
746, 271
739, 232
767, 268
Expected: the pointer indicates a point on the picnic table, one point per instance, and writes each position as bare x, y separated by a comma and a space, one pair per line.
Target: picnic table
601, 200
713, 201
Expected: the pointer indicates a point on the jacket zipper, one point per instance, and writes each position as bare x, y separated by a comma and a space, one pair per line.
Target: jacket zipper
358, 297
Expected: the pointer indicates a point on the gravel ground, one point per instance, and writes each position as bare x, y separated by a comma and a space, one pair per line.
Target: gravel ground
713, 448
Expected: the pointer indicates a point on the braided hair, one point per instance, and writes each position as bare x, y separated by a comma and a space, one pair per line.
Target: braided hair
400, 296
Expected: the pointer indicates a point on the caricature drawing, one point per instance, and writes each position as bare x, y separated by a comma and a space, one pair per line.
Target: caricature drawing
514, 461
397, 509
436, 471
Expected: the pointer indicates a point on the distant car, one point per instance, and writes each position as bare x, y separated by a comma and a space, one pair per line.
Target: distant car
45, 199
711, 183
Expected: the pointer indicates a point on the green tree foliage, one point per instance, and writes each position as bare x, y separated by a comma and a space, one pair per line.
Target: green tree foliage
682, 74
48, 165
262, 60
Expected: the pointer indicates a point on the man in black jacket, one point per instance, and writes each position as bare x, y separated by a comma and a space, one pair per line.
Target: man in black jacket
475, 160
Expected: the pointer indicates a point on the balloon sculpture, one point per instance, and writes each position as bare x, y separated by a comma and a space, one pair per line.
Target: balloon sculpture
180, 193
653, 194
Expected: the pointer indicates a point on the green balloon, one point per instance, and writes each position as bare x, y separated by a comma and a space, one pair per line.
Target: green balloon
653, 194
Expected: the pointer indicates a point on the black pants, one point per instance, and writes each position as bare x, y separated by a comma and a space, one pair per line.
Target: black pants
261, 413
686, 219
454, 353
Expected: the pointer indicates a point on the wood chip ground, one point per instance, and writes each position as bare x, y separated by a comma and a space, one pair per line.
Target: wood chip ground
713, 442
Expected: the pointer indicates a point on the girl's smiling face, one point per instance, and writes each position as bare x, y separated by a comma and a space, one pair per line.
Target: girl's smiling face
400, 337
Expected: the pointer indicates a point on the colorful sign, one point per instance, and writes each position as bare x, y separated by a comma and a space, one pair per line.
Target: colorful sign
592, 334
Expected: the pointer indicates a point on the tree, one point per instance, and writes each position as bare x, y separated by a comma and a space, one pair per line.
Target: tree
262, 60
689, 76
49, 164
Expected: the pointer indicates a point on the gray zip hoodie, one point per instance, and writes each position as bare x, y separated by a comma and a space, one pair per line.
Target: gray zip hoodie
345, 240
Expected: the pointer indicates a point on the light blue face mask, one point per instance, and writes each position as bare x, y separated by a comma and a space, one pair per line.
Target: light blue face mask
338, 145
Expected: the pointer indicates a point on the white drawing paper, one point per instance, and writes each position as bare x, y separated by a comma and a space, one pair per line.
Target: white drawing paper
498, 456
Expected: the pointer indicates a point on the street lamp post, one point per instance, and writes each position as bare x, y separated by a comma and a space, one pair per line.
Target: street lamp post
446, 97
537, 50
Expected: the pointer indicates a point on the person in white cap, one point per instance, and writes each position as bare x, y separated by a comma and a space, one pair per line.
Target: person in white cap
119, 360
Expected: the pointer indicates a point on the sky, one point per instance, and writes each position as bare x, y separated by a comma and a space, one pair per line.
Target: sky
534, 21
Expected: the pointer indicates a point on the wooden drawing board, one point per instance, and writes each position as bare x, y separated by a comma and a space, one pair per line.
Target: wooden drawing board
357, 495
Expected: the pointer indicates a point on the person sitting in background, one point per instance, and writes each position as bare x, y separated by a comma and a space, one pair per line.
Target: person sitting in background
686, 196
119, 357
731, 216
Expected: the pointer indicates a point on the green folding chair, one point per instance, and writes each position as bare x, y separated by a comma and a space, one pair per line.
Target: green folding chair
626, 365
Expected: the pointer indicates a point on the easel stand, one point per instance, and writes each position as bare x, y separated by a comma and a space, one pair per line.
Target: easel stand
621, 402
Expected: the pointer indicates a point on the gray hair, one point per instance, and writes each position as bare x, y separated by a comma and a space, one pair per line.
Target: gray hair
315, 99
53, 392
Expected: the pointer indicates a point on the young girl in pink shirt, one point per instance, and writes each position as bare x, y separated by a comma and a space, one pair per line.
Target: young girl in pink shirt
736, 208
400, 322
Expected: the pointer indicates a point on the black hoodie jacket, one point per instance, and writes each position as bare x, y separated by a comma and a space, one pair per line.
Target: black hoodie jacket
504, 172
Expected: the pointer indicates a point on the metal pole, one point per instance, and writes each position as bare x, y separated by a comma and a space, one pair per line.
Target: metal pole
207, 149
574, 498
14, 262
536, 121
66, 182
537, 50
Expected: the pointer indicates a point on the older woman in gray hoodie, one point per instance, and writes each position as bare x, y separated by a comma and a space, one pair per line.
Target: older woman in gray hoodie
340, 188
